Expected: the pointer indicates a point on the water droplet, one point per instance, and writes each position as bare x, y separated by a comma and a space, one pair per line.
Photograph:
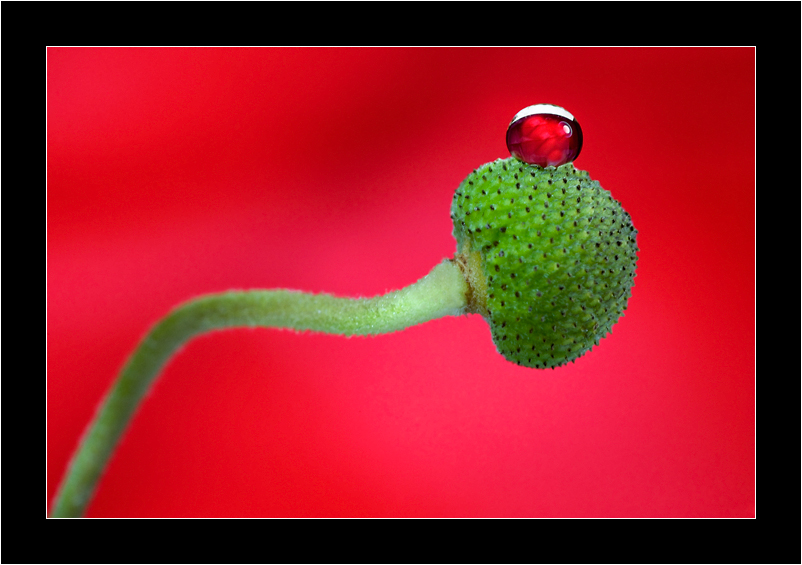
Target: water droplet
544, 135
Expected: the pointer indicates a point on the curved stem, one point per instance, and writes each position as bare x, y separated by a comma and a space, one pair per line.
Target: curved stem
441, 293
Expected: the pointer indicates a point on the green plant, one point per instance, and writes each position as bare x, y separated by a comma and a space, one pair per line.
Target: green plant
544, 254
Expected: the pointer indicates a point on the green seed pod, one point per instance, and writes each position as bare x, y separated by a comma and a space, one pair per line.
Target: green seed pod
549, 255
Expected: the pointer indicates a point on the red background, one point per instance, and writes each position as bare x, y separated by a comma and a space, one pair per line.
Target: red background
178, 172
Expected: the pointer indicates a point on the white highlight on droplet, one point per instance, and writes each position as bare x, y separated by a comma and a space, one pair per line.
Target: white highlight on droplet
543, 109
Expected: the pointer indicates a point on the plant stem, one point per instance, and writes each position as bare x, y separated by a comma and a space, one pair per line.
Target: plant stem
440, 293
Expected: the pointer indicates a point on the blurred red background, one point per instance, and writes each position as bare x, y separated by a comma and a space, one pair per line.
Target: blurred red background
178, 172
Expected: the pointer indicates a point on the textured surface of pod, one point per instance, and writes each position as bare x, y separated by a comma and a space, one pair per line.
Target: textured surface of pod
554, 255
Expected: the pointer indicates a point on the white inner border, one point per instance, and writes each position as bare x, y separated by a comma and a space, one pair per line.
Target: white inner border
542, 109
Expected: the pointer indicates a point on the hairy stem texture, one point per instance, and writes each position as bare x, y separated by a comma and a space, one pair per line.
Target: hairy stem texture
441, 293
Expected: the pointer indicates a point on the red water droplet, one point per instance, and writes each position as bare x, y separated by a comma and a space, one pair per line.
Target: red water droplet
544, 135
